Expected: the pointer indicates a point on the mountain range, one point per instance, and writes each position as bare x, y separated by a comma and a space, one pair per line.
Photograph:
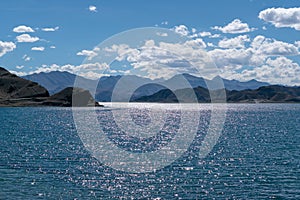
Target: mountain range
17, 91
56, 81
264, 94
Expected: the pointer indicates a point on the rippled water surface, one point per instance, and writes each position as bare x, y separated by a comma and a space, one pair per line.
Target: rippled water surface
257, 156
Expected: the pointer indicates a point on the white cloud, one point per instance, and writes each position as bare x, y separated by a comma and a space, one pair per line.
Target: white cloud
215, 36
237, 53
163, 60
264, 59
164, 23
209, 44
280, 70
52, 47
6, 47
182, 30
26, 57
236, 26
260, 49
196, 43
205, 34
90, 54
50, 29
18, 73
89, 70
23, 29
232, 57
26, 38
239, 57
282, 17
93, 8
19, 66
271, 47
236, 42
38, 48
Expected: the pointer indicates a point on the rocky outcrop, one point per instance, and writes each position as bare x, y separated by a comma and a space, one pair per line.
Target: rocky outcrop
16, 91
14, 87
70, 96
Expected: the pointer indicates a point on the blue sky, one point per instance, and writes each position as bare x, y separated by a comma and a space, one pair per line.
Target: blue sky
36, 35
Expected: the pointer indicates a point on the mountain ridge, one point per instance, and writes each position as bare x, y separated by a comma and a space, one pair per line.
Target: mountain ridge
56, 81
264, 94
16, 91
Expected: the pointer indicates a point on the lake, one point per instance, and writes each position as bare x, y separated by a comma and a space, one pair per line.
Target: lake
257, 155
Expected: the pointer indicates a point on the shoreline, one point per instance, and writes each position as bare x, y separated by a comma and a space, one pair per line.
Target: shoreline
106, 104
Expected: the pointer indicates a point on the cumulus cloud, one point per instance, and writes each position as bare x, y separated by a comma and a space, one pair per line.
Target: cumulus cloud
90, 54
236, 26
182, 30
215, 36
280, 70
209, 44
236, 42
6, 47
50, 29
89, 70
272, 47
93, 8
282, 17
205, 34
255, 55
196, 43
38, 48
23, 29
163, 60
232, 57
52, 47
263, 59
18, 73
185, 31
27, 38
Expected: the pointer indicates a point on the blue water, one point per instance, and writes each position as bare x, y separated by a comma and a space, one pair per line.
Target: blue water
257, 156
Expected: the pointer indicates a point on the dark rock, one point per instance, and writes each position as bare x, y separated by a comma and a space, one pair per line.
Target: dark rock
14, 87
70, 96
16, 91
